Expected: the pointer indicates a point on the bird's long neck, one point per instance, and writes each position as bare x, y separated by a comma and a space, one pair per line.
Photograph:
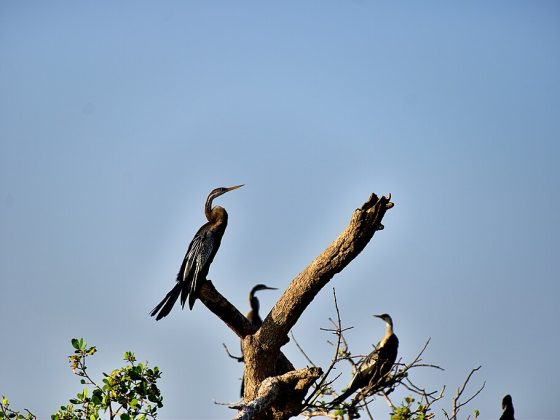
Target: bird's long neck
253, 314
388, 333
216, 215
208, 208
254, 304
508, 408
388, 329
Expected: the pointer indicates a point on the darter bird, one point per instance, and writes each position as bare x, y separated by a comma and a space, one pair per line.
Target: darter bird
373, 369
255, 319
253, 314
199, 256
507, 406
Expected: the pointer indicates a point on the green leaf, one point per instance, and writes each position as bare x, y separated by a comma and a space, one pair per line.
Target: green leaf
125, 416
134, 375
75, 343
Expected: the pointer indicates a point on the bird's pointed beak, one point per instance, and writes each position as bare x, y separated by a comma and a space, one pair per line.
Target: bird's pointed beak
234, 188
271, 288
378, 316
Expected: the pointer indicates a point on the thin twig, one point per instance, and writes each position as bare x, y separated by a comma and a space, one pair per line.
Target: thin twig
239, 359
465, 384
456, 406
301, 349
367, 410
335, 358
389, 402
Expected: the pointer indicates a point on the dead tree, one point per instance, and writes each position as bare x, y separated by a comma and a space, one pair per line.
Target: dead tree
274, 389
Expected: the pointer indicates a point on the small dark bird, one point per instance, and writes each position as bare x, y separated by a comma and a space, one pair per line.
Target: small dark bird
255, 319
376, 365
507, 406
198, 258
253, 314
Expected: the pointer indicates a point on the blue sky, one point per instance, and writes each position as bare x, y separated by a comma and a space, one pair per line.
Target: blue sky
118, 118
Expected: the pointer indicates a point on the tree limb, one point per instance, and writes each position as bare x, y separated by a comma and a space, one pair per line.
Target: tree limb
224, 310
456, 404
364, 223
276, 388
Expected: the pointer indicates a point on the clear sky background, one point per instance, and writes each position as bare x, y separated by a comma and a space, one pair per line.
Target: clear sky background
118, 118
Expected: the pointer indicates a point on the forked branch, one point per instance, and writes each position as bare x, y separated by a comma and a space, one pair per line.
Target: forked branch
271, 389
224, 310
457, 405
304, 287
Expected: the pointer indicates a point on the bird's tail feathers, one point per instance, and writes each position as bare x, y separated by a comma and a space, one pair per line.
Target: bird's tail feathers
187, 283
164, 307
194, 290
192, 299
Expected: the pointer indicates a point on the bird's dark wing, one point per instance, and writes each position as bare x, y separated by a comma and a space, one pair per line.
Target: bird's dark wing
370, 360
196, 261
379, 362
202, 260
365, 369
361, 378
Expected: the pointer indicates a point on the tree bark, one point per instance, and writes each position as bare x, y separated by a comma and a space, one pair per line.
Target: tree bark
280, 391
224, 310
261, 350
273, 389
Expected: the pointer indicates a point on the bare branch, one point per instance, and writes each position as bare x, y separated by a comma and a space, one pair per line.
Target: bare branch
456, 404
275, 388
389, 402
224, 310
321, 412
338, 332
368, 412
239, 359
301, 349
364, 223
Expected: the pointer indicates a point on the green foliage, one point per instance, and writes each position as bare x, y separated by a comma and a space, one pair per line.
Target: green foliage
7, 413
406, 411
129, 392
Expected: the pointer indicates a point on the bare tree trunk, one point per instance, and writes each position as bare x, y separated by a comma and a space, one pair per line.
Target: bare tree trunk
273, 389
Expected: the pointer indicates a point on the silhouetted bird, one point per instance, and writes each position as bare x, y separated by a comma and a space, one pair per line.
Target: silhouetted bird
254, 317
507, 406
376, 365
253, 314
198, 258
